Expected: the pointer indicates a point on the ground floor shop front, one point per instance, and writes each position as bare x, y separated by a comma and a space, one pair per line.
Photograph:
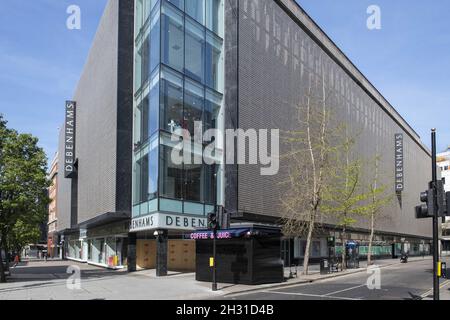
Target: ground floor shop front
384, 246
162, 242
105, 246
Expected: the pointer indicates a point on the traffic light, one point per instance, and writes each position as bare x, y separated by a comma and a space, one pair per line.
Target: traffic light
331, 241
441, 203
223, 217
447, 204
212, 221
426, 210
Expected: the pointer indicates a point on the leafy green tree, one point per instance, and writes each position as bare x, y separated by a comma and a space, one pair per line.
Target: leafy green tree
346, 199
379, 198
22, 234
23, 185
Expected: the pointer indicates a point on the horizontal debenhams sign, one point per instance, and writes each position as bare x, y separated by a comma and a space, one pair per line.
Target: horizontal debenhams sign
168, 222
69, 139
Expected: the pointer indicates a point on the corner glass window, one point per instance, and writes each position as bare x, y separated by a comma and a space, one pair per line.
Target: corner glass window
195, 51
178, 3
215, 16
213, 103
193, 106
214, 62
172, 37
147, 113
210, 184
171, 104
155, 39
194, 184
171, 182
196, 9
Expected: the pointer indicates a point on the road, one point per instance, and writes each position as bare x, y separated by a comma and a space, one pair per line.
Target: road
410, 281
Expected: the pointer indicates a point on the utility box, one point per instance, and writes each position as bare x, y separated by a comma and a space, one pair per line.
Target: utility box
246, 254
325, 267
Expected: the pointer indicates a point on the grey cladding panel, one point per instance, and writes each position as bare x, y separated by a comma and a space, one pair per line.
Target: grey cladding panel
96, 97
276, 58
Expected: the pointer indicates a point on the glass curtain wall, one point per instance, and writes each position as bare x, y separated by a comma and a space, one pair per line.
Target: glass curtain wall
179, 80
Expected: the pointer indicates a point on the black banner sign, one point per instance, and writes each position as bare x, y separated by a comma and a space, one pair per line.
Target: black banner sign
69, 139
399, 163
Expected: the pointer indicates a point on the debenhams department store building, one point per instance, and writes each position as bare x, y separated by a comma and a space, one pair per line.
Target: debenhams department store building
156, 66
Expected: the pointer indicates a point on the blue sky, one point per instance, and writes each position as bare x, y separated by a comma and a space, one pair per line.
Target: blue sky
408, 60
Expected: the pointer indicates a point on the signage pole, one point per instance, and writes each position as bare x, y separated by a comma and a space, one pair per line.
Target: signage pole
214, 280
435, 218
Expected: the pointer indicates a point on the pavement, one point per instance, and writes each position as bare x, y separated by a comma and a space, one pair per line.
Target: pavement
40, 280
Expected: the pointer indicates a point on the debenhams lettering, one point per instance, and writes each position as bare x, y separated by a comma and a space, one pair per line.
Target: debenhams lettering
399, 163
167, 221
69, 139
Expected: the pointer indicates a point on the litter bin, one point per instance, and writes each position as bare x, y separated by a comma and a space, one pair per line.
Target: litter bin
324, 266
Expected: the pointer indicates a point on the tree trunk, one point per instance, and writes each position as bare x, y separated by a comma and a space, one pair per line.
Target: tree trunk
344, 266
7, 260
308, 247
372, 231
2, 269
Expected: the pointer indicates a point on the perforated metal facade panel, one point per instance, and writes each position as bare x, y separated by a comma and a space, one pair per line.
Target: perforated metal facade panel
276, 57
104, 122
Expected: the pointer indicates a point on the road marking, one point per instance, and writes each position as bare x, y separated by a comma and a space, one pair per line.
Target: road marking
444, 284
309, 295
326, 280
344, 290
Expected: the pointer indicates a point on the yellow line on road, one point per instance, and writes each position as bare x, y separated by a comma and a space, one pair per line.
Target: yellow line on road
444, 284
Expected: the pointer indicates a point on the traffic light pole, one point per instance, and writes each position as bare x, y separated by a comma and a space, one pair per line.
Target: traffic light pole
435, 219
214, 280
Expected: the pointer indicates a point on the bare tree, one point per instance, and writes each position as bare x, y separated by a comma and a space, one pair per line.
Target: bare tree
310, 158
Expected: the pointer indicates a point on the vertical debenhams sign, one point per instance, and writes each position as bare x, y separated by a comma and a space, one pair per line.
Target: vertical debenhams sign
69, 139
399, 163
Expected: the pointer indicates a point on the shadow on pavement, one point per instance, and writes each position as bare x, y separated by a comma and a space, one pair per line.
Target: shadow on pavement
51, 272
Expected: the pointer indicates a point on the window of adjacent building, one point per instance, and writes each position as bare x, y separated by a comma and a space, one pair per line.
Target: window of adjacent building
171, 107
172, 37
195, 51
